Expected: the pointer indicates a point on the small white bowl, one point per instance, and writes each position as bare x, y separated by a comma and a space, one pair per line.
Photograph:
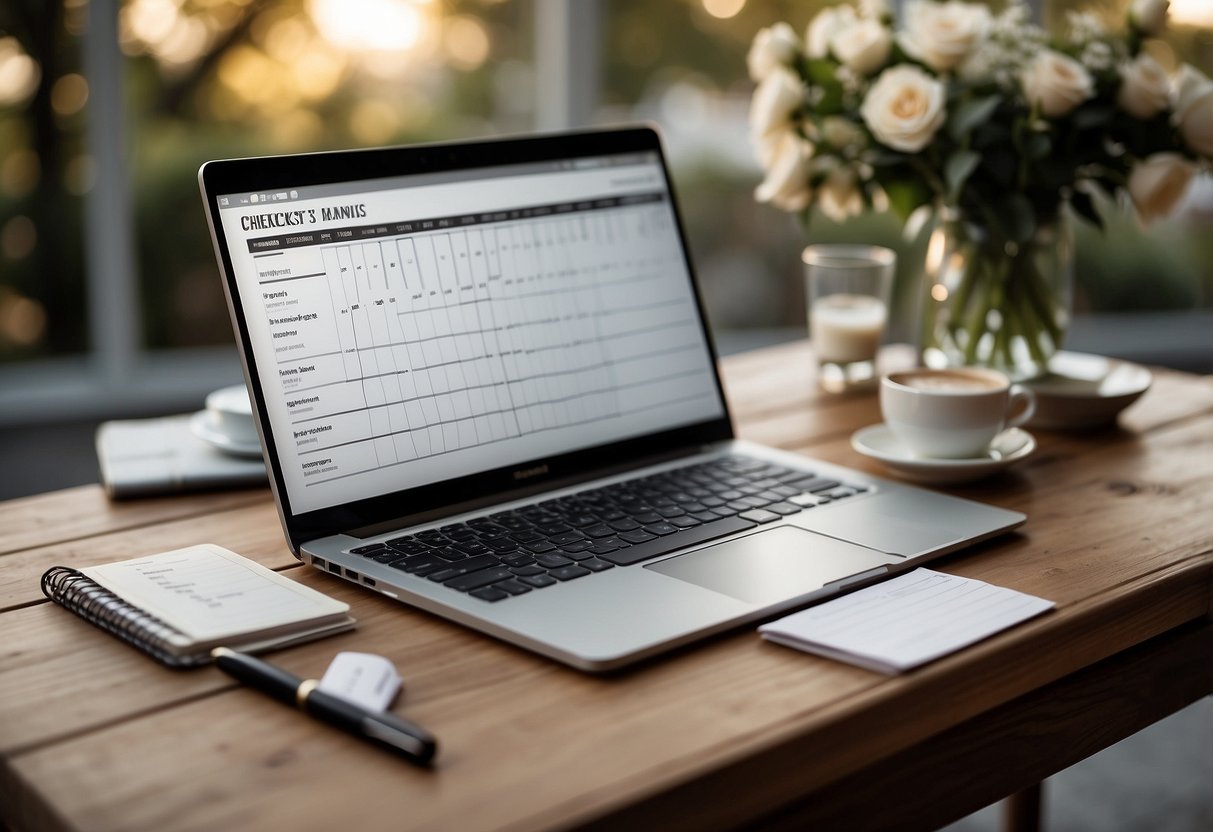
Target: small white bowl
1085, 391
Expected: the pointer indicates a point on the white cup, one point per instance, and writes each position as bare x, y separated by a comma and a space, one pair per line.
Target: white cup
231, 414
952, 414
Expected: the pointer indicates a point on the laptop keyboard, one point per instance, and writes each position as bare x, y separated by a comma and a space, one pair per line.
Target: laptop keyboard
514, 552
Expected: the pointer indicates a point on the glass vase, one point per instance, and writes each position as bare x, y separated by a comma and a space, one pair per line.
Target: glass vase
994, 303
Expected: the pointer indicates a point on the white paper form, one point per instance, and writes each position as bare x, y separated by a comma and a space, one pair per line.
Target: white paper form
904, 622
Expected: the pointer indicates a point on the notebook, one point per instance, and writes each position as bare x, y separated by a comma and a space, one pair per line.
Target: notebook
485, 387
906, 621
176, 606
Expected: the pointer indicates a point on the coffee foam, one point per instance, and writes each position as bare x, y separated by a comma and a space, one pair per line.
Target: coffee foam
944, 381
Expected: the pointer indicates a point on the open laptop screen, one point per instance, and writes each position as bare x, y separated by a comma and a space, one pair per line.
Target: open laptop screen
421, 328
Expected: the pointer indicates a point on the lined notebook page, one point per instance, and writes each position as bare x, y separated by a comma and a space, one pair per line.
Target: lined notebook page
905, 621
210, 593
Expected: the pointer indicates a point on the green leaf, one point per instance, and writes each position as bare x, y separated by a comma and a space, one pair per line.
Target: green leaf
956, 171
1017, 216
1037, 146
821, 71
1009, 216
881, 158
905, 196
971, 114
1093, 117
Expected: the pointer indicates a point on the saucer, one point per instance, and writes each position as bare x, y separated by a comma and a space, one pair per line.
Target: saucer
879, 443
1085, 391
202, 425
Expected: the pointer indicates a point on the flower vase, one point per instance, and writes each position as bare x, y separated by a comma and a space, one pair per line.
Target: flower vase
995, 303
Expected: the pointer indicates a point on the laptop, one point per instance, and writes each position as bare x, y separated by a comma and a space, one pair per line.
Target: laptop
485, 387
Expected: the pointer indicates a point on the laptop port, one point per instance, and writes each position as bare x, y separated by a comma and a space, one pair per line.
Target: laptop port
368, 581
335, 569
350, 573
318, 562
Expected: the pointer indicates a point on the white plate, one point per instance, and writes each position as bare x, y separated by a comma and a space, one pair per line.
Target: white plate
202, 425
879, 443
1085, 391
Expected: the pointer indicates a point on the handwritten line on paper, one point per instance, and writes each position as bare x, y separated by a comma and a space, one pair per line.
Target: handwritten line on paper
209, 593
906, 621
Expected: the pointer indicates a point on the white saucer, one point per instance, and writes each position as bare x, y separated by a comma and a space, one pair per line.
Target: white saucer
878, 442
202, 425
1085, 391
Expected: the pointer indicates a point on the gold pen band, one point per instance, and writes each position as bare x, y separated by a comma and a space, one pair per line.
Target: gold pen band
305, 688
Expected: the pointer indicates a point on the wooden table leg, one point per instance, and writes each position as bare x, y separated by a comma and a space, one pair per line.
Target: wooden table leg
1021, 812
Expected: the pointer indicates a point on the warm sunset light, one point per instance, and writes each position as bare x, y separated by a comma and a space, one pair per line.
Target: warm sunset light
467, 42
723, 9
1192, 12
19, 73
69, 94
383, 25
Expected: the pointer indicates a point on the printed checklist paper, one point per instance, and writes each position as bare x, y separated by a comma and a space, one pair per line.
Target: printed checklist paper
904, 622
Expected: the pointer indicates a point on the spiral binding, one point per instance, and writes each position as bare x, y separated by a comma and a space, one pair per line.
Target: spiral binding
75, 591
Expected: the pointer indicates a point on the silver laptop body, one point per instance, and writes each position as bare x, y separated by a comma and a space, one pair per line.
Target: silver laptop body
485, 388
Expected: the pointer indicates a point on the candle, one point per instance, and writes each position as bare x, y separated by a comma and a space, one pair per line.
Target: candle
847, 328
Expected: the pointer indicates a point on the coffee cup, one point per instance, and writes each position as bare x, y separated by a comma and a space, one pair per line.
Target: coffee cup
952, 413
231, 414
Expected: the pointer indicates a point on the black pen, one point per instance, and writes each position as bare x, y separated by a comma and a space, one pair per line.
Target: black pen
382, 729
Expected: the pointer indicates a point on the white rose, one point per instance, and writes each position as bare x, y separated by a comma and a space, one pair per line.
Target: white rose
829, 22
1149, 16
864, 47
775, 100
840, 132
1056, 83
1145, 88
786, 185
942, 35
876, 9
1192, 100
772, 47
904, 108
1159, 183
838, 196
1196, 122
1185, 87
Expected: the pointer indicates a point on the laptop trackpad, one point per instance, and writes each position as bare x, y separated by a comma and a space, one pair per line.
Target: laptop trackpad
772, 565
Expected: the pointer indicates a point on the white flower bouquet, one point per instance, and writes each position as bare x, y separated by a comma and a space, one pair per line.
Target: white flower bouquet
985, 116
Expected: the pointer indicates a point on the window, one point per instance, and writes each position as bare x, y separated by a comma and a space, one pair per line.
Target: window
109, 298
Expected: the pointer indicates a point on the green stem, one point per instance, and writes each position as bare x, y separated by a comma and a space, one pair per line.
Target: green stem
960, 300
980, 307
1039, 297
1030, 327
1002, 338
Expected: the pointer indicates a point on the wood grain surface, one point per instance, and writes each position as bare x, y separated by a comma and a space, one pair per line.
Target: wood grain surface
730, 732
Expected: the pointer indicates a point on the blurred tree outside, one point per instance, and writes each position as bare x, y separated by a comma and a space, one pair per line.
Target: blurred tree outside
43, 173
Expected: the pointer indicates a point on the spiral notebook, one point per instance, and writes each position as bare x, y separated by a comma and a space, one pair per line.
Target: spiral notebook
176, 606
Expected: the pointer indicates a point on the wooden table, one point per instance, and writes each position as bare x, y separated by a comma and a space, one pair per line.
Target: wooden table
1120, 534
